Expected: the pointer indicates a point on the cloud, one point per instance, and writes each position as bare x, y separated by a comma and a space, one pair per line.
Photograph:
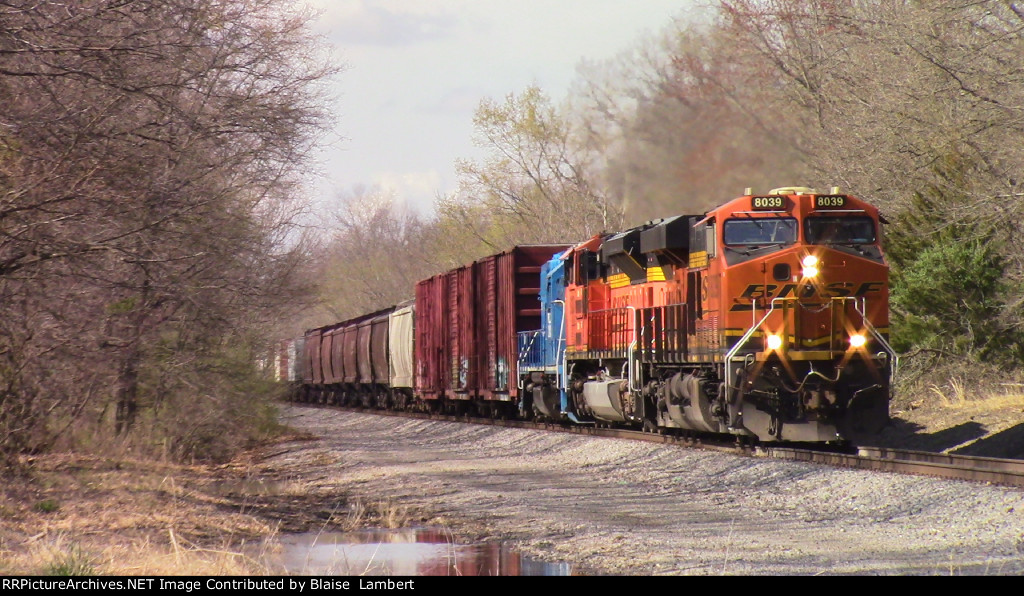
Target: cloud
459, 100
382, 23
423, 183
418, 70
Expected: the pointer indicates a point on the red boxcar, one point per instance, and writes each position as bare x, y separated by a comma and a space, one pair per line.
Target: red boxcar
462, 344
466, 325
431, 345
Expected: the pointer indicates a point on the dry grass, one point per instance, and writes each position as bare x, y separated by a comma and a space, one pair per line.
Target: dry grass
62, 556
184, 558
366, 514
72, 515
956, 395
975, 412
953, 394
392, 515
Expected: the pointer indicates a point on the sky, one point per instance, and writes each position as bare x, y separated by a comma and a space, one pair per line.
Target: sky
416, 70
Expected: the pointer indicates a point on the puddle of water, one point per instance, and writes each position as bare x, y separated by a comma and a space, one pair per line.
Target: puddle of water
407, 552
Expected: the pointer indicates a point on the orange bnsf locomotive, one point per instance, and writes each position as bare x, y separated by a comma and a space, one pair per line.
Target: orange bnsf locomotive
766, 317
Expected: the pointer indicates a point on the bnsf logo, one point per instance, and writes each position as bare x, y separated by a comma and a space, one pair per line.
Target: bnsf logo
838, 289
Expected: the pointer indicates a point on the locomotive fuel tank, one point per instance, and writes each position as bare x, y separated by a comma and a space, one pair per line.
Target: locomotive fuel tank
691, 402
547, 398
608, 399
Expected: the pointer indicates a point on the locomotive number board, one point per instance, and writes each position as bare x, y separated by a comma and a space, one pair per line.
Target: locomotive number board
769, 202
829, 201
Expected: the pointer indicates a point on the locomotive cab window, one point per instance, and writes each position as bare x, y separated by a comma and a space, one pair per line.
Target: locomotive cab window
760, 230
840, 230
709, 240
584, 267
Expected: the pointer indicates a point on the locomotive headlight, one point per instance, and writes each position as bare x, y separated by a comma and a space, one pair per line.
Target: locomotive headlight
774, 342
857, 340
810, 264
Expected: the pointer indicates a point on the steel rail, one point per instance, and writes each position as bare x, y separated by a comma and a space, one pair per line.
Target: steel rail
1006, 472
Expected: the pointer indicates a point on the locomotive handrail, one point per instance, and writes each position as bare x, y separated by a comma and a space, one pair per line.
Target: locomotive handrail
874, 332
743, 340
634, 341
631, 349
559, 376
524, 353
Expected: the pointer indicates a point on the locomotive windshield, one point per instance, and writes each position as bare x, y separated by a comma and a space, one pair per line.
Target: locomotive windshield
760, 230
839, 230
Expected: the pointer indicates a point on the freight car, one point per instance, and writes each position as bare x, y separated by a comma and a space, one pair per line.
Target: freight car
467, 321
452, 349
766, 317
364, 361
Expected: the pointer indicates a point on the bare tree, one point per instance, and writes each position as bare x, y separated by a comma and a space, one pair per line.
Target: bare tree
148, 155
920, 107
897, 88
374, 257
537, 183
686, 123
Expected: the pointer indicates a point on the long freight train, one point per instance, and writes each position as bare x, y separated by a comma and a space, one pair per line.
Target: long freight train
766, 317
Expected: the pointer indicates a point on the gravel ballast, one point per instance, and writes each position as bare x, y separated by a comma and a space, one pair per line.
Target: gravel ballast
623, 507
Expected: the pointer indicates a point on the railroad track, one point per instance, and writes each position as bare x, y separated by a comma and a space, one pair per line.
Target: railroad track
990, 470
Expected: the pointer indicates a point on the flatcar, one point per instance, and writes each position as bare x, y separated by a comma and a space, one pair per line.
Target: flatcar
766, 318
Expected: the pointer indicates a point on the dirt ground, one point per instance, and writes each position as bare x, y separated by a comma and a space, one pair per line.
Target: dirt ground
990, 427
602, 505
